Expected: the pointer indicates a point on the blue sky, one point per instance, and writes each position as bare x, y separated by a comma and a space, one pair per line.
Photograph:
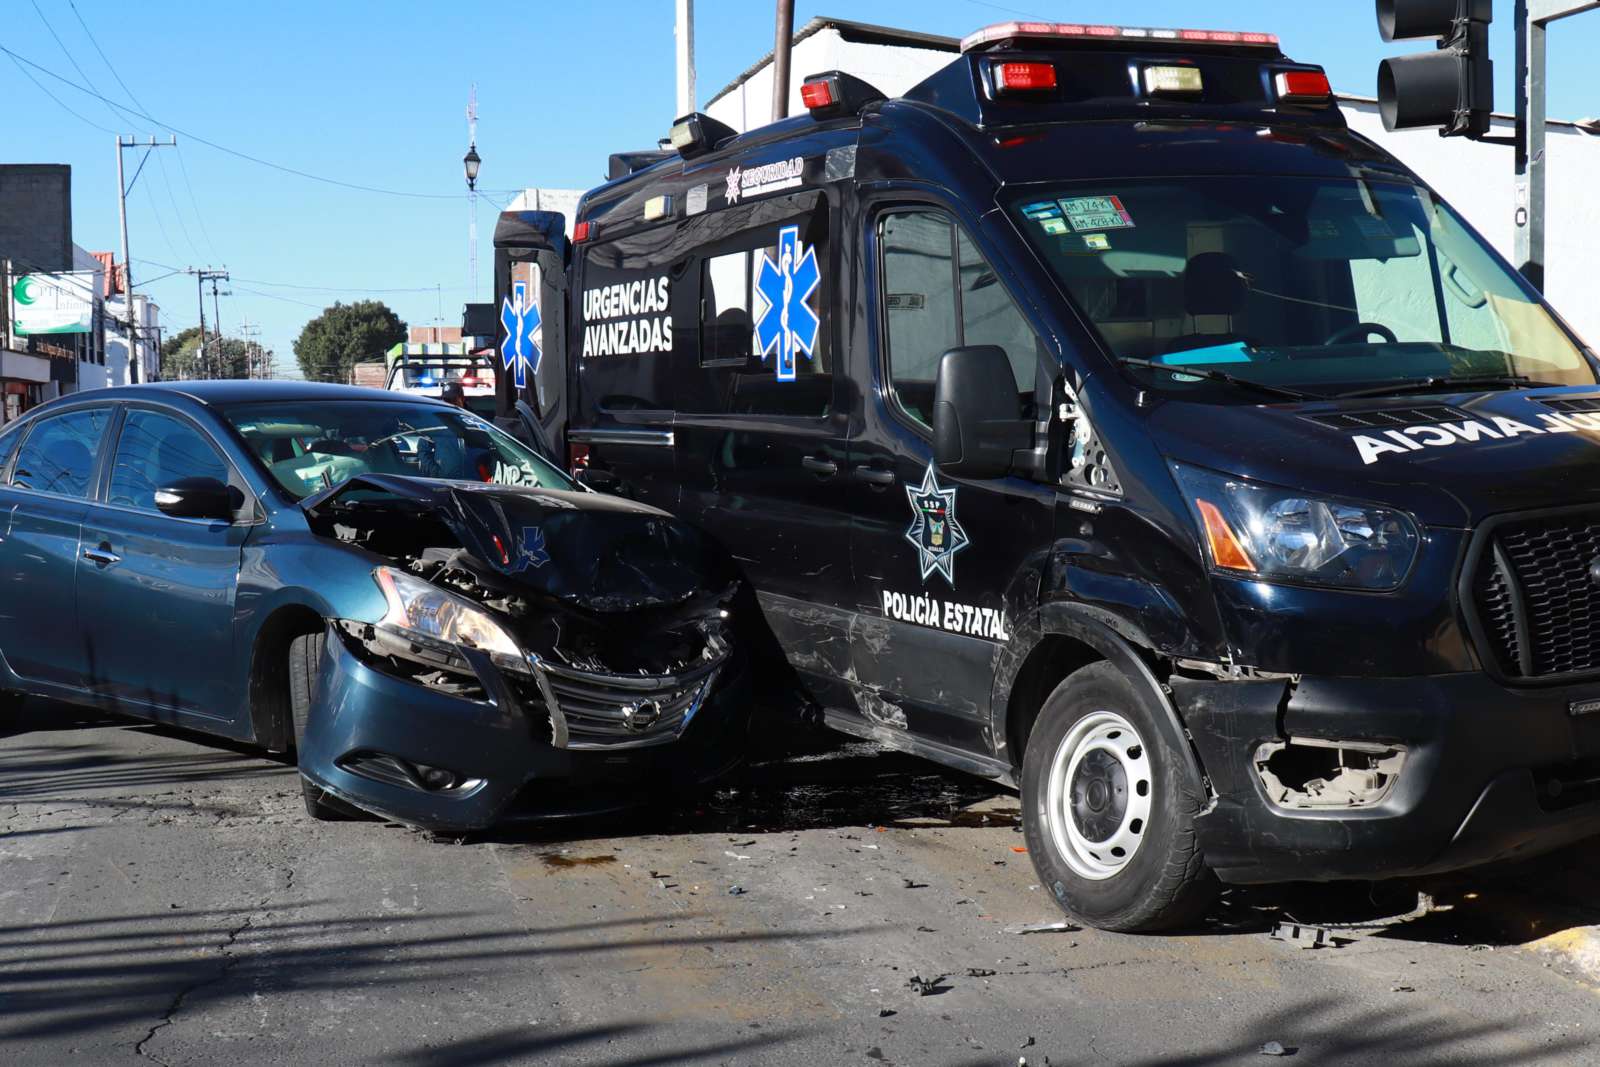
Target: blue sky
374, 94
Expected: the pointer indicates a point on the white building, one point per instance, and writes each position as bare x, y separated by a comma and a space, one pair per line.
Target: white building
1476, 178
562, 200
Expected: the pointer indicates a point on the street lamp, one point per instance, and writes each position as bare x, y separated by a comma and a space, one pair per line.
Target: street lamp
470, 163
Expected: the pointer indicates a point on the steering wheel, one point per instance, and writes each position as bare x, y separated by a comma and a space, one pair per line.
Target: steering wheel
1361, 331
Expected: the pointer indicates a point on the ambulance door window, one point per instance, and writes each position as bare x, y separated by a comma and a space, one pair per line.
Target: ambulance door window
990, 317
764, 329
920, 306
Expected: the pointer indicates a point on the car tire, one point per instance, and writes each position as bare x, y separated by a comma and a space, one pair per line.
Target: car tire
1109, 809
305, 663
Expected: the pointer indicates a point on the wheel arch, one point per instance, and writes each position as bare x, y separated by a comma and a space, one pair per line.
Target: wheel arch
268, 686
1058, 639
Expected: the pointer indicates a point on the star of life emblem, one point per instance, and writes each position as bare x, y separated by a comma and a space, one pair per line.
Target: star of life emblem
733, 184
519, 352
934, 531
787, 325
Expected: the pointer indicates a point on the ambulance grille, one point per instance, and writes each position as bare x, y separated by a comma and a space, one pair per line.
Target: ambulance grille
1570, 404
1388, 418
1535, 596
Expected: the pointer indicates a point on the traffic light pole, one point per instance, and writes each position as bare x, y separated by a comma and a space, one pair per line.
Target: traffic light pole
1533, 23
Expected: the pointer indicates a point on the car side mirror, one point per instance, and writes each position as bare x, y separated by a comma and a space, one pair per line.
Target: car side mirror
977, 418
199, 498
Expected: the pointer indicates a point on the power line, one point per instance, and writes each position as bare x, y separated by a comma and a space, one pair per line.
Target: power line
47, 72
198, 214
59, 102
320, 288
65, 50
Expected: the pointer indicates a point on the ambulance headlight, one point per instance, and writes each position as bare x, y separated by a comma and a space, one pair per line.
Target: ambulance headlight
1287, 535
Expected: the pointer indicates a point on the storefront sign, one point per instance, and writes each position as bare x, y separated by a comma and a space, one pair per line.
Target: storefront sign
52, 303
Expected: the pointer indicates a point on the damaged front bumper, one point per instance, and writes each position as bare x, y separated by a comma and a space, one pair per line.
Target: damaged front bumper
545, 743
1321, 779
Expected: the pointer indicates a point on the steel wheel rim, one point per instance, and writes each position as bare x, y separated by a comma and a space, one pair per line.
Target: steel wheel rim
1096, 826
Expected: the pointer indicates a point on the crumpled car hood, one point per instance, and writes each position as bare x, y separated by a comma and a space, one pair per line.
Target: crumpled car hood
598, 553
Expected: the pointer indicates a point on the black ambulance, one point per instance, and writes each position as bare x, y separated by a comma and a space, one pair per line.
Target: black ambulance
1103, 417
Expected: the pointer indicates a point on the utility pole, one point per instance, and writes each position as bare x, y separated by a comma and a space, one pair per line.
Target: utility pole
203, 361
1533, 23
684, 31
123, 189
781, 48
249, 331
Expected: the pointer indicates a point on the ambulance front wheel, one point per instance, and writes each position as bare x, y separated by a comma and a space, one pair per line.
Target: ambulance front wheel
1109, 808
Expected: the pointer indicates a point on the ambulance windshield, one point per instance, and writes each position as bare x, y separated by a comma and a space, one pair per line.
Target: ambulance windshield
1328, 286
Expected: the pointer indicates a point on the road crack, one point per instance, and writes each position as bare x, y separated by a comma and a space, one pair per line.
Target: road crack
228, 962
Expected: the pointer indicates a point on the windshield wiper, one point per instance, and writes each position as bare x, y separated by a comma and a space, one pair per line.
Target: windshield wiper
1429, 385
1281, 391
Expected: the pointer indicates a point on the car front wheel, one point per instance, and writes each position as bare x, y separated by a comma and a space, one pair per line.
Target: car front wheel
1109, 809
305, 663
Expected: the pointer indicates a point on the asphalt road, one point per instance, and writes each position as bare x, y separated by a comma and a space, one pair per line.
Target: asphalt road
164, 897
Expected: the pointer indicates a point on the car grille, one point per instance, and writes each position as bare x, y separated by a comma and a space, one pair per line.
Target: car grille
590, 710
1536, 603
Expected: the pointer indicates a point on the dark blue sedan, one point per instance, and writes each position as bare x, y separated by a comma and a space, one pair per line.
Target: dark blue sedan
446, 629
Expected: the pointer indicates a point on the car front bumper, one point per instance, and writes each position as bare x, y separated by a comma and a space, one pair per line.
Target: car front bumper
499, 748
1491, 773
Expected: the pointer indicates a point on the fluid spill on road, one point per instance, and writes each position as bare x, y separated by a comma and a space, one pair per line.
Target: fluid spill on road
562, 862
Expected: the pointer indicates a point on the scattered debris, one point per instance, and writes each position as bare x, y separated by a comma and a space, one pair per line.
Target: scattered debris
926, 930
1060, 926
1028, 1043
928, 987
736, 890
912, 883
734, 855
980, 972
884, 1013
1018, 848
1276, 1048
966, 900
1305, 937
1403, 989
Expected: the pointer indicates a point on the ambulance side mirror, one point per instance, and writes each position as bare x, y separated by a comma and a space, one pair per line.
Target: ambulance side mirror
978, 424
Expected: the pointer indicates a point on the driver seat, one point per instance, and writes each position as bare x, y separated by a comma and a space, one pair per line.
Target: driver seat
1214, 288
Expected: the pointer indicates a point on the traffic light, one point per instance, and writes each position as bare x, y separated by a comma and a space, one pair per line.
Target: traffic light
1452, 87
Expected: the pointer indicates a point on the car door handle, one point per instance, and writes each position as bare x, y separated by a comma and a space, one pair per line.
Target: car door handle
102, 555
874, 475
827, 468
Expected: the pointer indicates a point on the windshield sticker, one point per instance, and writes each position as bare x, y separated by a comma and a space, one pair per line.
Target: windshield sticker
934, 531
1097, 242
1088, 213
787, 324
1472, 431
1055, 227
643, 321
1044, 209
946, 615
744, 182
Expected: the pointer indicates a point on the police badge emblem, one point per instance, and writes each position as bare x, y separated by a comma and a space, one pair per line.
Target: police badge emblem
934, 531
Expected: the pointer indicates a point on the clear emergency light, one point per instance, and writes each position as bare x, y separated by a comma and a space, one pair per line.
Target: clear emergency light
1068, 31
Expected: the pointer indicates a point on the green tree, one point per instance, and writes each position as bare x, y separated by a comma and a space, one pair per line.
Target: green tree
344, 334
227, 358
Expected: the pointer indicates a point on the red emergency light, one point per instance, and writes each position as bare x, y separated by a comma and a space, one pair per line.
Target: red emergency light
582, 232
1013, 31
1024, 77
1303, 87
817, 94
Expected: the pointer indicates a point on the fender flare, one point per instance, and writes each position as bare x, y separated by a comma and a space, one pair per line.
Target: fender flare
1119, 644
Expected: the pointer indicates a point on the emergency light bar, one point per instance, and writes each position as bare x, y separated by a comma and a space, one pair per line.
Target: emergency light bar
1066, 31
834, 93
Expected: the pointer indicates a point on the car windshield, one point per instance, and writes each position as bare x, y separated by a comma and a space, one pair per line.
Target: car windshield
308, 446
1326, 286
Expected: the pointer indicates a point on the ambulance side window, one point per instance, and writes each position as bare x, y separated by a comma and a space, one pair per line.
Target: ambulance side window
764, 321
940, 293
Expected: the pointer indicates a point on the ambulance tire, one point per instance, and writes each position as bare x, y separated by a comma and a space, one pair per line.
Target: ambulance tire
1109, 809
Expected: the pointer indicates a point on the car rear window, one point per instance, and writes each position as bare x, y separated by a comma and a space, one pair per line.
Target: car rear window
59, 452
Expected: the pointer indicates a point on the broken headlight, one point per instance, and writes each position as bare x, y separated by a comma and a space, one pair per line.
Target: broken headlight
1273, 533
423, 610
